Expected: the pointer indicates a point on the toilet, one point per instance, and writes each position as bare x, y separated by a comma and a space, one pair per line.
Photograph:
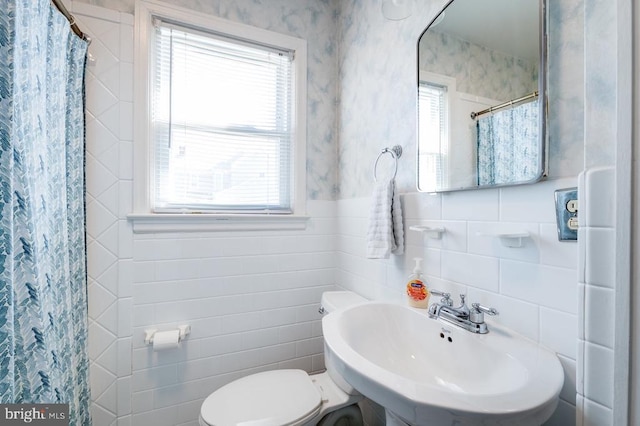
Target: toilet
288, 397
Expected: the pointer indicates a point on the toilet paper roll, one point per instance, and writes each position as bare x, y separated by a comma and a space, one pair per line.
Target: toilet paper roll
166, 340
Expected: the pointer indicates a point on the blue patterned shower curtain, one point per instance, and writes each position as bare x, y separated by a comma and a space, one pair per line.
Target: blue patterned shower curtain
43, 292
508, 145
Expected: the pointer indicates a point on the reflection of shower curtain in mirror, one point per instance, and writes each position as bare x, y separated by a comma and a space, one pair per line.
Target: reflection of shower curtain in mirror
508, 145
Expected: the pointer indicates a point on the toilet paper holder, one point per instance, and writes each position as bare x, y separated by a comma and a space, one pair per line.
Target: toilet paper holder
183, 330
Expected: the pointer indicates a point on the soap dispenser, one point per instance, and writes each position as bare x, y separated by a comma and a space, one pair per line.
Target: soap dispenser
417, 292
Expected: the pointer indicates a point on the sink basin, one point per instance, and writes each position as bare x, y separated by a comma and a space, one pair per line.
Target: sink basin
429, 372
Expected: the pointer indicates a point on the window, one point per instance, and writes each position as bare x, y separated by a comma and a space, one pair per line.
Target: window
222, 126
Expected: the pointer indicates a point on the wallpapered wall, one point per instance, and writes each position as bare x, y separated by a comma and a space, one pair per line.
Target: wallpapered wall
362, 83
377, 74
315, 21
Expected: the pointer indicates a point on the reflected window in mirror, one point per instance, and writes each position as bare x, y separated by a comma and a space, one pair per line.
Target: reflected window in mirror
486, 125
433, 107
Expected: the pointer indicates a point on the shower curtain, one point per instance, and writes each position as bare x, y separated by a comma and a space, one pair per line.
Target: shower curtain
508, 145
43, 292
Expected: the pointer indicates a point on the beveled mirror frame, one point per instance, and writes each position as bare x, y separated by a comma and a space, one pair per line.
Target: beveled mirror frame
542, 104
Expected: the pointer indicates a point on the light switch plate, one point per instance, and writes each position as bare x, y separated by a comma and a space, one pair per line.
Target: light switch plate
567, 213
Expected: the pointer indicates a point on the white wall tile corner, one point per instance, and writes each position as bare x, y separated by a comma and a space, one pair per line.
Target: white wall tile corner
597, 296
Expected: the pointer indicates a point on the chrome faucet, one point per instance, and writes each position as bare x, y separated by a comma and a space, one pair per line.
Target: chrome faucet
469, 319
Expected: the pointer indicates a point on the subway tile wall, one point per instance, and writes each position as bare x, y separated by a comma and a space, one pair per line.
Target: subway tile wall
533, 287
251, 300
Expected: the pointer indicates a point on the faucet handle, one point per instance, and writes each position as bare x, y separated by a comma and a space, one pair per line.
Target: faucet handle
476, 315
489, 311
446, 297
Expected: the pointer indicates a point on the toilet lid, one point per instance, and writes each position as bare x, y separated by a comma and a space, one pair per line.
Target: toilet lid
271, 398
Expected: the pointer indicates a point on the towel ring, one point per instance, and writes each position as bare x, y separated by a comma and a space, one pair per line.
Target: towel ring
396, 152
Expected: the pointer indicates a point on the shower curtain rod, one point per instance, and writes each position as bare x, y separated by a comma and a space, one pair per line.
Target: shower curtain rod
72, 20
474, 115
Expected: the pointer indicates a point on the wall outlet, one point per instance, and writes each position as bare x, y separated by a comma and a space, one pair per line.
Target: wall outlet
567, 213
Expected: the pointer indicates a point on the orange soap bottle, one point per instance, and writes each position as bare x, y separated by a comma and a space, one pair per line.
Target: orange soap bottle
417, 291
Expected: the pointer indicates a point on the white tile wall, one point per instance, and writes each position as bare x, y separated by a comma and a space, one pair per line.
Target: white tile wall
596, 297
533, 287
251, 301
107, 124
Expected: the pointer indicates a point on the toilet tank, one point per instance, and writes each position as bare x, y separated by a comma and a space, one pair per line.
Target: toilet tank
331, 302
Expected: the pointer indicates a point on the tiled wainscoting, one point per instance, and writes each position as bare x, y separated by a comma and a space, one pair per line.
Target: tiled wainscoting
251, 299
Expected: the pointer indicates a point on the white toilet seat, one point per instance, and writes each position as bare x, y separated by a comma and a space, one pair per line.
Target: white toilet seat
271, 398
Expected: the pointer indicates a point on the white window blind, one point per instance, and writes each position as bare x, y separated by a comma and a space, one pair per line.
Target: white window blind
222, 134
432, 110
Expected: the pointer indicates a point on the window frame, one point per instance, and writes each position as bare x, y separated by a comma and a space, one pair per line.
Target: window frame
143, 218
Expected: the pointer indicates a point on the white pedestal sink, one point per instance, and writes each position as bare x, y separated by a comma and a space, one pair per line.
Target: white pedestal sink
428, 372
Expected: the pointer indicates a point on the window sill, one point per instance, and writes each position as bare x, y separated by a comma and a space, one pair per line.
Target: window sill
168, 222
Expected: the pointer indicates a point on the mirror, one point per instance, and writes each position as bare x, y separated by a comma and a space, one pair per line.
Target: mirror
482, 95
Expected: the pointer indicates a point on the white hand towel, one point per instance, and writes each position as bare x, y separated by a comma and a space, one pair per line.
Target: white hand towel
385, 234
